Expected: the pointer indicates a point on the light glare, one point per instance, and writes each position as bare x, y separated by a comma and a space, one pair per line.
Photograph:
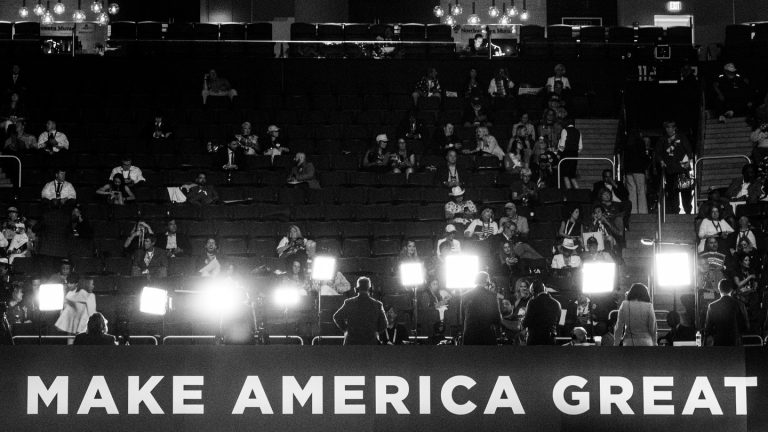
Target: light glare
50, 297
673, 269
597, 277
461, 271
153, 301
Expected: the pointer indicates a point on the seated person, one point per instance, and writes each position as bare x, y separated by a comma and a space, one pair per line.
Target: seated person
486, 145
451, 175
427, 86
296, 276
96, 333
172, 241
714, 199
559, 76
482, 228
295, 245
501, 86
458, 211
52, 141
452, 245
58, 192
19, 245
511, 215
411, 128
159, 130
403, 160
200, 192
79, 226
567, 258
248, 140
510, 235
518, 154
547, 172
743, 231
273, 144
619, 192
18, 312
592, 254
616, 212
713, 227
132, 175
214, 85
601, 223
303, 171
338, 286
579, 337
476, 114
377, 159
395, 333
19, 141
135, 239
678, 329
446, 139
571, 227
759, 138
11, 112
748, 188
230, 157
525, 190
528, 127
733, 93
208, 264
478, 46
509, 263
150, 260
116, 191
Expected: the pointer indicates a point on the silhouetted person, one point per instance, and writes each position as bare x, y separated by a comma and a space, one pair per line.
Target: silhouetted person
96, 333
542, 316
361, 318
726, 318
480, 312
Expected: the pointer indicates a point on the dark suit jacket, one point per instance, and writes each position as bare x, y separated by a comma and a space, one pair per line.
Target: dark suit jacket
165, 128
362, 319
726, 321
621, 191
754, 190
480, 312
158, 267
222, 158
103, 339
181, 242
441, 176
541, 319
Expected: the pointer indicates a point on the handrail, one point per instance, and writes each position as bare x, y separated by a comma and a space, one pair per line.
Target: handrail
274, 41
52, 337
751, 340
696, 179
294, 337
189, 337
610, 161
17, 161
317, 339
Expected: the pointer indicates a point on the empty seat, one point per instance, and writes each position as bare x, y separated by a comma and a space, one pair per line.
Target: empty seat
620, 41
123, 30
233, 31
26, 30
328, 246
593, 34
233, 246
149, 30
559, 33
206, 31
232, 229
6, 30
679, 35
412, 32
356, 32
259, 31
650, 35
385, 247
180, 31
262, 247
357, 247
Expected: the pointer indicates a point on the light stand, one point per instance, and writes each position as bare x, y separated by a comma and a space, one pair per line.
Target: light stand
155, 301
671, 270
411, 277
50, 297
460, 275
285, 297
323, 270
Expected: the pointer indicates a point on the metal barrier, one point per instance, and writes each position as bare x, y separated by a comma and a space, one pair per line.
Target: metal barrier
751, 341
609, 160
288, 337
40, 339
696, 170
316, 340
18, 161
202, 337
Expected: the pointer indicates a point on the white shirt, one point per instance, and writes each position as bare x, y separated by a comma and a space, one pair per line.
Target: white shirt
563, 136
67, 191
133, 173
558, 261
170, 241
709, 227
78, 307
492, 227
491, 146
551, 82
455, 246
61, 140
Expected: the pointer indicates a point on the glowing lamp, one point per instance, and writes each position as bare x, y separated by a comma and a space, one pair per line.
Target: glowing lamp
287, 296
96, 7
323, 268
153, 301
113, 8
461, 271
598, 277
673, 269
23, 12
411, 274
438, 11
50, 297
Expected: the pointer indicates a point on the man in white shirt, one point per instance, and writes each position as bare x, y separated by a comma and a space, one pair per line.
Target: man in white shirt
567, 258
131, 174
450, 236
52, 141
58, 192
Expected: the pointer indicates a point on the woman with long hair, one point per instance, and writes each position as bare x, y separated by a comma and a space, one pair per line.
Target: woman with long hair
571, 226
745, 280
116, 191
295, 246
636, 323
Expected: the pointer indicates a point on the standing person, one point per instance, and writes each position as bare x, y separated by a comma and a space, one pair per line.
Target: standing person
747, 289
726, 318
79, 305
673, 153
480, 313
636, 323
96, 333
541, 316
570, 145
361, 318
637, 161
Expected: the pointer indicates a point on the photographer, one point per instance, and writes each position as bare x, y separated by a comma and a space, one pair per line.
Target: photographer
294, 247
135, 239
116, 191
759, 138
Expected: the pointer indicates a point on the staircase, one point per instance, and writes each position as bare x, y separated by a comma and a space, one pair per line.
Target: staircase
599, 140
720, 139
639, 258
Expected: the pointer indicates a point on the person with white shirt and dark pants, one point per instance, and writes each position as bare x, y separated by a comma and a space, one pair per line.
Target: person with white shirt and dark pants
52, 141
132, 174
58, 192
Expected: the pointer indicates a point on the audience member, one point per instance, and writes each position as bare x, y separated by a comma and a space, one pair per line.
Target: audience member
571, 227
713, 226
714, 199
52, 141
79, 226
550, 129
11, 112
478, 46
509, 263
96, 332
733, 93
510, 210
513, 314
541, 316
216, 86
749, 188
454, 246
747, 289
149, 260
248, 140
295, 246
297, 277
480, 313
116, 191
579, 337
273, 144
172, 241
528, 128
592, 254
230, 157
65, 275
759, 138
208, 264
377, 159
637, 162
472, 88
501, 86
558, 76
79, 305
361, 318
135, 239
726, 318
451, 175
411, 128
303, 171
19, 141
19, 245
616, 212
636, 323
525, 190
58, 192
601, 225
476, 114
567, 258
17, 312
679, 331
510, 235
459, 211
159, 130
569, 146
483, 227
674, 155
744, 232
427, 86
446, 140
518, 155
403, 160
711, 272
395, 333
200, 193
487, 145
338, 286
432, 303
16, 82
132, 175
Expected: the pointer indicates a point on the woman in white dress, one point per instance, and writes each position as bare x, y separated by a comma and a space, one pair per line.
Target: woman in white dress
79, 305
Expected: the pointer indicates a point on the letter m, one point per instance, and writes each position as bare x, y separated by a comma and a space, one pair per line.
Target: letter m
59, 390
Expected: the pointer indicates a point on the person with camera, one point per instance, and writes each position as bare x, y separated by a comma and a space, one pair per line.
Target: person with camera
116, 191
459, 211
673, 153
214, 85
135, 239
52, 141
295, 246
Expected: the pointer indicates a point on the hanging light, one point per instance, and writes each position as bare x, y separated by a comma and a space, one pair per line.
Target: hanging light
39, 9
47, 17
450, 20
113, 9
493, 11
23, 11
457, 10
102, 18
503, 18
524, 13
96, 7
438, 11
473, 19
59, 8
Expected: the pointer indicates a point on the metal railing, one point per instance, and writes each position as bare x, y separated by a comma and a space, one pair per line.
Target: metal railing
697, 182
207, 338
609, 160
288, 337
18, 161
316, 340
40, 339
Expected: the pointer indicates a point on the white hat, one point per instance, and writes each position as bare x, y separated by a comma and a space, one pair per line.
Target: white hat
273, 128
730, 67
382, 137
456, 191
569, 244
450, 228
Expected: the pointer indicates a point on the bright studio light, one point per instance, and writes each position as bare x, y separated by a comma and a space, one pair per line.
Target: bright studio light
59, 8
50, 297
39, 9
461, 271
220, 295
598, 277
286, 296
113, 9
323, 268
153, 301
411, 274
673, 269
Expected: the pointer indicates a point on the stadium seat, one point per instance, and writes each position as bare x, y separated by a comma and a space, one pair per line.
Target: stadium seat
123, 30
232, 31
355, 229
356, 248
328, 245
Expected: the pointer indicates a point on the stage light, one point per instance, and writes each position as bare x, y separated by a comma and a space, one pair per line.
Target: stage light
78, 16
450, 20
47, 18
286, 296
411, 274
50, 297
524, 15
220, 295
153, 301
23, 11
113, 8
461, 271
102, 18
493, 11
39, 9
457, 10
59, 8
673, 269
598, 277
323, 268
